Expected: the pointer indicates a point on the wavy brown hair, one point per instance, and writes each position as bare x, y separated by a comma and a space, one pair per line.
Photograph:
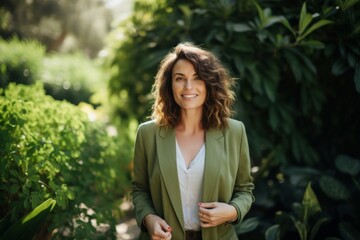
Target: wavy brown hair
218, 82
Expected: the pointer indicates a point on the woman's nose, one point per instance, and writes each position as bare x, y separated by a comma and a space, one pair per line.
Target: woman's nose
188, 84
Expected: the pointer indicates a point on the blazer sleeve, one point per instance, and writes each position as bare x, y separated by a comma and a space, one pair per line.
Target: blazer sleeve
243, 198
141, 196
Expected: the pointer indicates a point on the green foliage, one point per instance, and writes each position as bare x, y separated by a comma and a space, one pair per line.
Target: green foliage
50, 149
73, 77
26, 227
300, 218
20, 61
61, 26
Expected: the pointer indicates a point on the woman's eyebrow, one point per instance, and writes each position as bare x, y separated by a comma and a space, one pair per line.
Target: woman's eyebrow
182, 74
178, 74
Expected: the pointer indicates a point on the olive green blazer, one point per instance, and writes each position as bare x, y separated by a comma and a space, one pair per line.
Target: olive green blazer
155, 185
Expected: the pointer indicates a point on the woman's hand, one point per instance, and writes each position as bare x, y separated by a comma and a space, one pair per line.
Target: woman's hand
215, 213
157, 227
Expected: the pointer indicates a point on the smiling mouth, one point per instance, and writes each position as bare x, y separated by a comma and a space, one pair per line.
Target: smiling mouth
189, 96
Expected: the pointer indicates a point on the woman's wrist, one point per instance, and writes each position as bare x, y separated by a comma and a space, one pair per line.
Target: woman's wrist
234, 216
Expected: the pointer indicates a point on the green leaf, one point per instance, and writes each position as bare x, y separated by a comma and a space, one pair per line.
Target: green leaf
316, 227
273, 118
256, 80
352, 59
270, 89
294, 65
185, 10
310, 201
273, 233
14, 188
305, 19
339, 67
307, 62
275, 19
348, 231
315, 26
347, 164
313, 44
286, 23
247, 225
346, 4
240, 27
27, 227
238, 64
301, 228
334, 188
261, 13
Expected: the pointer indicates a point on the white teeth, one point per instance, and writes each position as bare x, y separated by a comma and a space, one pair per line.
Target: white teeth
189, 95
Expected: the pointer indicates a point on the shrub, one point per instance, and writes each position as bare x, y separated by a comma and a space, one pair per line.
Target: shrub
50, 149
20, 61
73, 77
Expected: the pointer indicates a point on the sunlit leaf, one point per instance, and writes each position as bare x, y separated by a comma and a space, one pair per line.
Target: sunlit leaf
310, 201
317, 25
305, 19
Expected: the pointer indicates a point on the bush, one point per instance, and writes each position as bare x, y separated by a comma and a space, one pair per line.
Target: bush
50, 149
20, 61
73, 77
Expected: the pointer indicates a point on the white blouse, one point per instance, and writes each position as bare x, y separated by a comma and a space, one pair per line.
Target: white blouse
191, 186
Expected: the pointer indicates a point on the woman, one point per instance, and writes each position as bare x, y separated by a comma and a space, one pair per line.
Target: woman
191, 161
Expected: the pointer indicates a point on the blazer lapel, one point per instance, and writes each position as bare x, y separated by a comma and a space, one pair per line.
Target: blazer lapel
214, 143
166, 152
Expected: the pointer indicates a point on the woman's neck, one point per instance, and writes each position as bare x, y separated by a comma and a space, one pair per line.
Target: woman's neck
190, 122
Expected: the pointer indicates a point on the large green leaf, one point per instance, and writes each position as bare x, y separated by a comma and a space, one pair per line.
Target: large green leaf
347, 164
27, 227
333, 188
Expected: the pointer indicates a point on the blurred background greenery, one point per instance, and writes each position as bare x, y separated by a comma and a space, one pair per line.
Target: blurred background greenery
75, 80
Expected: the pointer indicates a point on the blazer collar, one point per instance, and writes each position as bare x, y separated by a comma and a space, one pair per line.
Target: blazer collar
166, 156
214, 143
166, 152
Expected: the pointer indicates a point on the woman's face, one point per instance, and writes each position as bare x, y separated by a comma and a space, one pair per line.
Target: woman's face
188, 89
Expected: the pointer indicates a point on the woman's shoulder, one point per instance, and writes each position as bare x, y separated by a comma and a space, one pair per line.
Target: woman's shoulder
147, 126
235, 129
235, 124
